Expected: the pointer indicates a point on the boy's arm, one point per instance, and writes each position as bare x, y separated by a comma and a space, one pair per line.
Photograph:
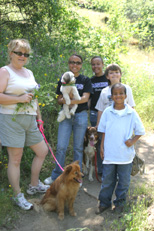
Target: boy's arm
102, 147
132, 141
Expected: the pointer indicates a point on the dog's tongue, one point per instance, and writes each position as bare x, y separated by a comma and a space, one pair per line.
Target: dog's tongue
91, 143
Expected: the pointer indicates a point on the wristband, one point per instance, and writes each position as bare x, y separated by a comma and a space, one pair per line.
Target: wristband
40, 121
41, 128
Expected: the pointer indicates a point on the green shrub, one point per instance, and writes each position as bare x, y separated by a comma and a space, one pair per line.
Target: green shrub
7, 215
131, 18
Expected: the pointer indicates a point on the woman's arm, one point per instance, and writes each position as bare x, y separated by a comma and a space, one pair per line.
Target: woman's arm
39, 117
89, 103
60, 100
84, 99
99, 114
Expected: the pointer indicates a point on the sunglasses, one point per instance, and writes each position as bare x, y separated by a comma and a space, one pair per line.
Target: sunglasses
77, 63
20, 54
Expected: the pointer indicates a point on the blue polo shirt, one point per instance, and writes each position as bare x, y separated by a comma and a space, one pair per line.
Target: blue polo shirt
119, 127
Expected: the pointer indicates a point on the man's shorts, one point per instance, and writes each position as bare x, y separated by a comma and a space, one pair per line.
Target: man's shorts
19, 133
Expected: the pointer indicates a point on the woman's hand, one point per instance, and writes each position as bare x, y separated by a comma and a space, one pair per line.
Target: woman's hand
40, 125
26, 98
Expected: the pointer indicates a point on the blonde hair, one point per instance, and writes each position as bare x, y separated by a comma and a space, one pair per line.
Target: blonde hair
18, 44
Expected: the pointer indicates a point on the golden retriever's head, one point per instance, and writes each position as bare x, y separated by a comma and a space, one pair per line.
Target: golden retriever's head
72, 173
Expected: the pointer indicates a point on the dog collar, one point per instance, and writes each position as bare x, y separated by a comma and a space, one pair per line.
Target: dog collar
68, 84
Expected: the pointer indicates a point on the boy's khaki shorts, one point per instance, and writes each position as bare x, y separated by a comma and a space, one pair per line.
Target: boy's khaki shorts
19, 133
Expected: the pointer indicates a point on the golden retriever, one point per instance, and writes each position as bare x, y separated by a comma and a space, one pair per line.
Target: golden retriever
63, 191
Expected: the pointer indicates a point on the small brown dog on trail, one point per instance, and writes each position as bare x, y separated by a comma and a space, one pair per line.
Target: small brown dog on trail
90, 141
63, 191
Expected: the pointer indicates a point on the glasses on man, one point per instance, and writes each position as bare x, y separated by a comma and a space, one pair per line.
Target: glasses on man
72, 62
20, 54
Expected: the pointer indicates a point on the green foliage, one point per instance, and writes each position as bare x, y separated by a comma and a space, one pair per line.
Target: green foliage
99, 5
7, 215
30, 15
3, 167
135, 213
135, 219
140, 78
95, 41
140, 14
130, 17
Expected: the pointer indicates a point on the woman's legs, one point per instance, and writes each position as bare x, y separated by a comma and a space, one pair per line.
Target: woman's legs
15, 155
80, 124
93, 118
64, 133
41, 150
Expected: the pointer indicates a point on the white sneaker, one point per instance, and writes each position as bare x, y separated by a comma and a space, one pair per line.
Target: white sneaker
22, 202
48, 180
40, 188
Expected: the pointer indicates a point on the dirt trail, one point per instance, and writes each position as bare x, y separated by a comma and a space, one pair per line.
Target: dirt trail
86, 202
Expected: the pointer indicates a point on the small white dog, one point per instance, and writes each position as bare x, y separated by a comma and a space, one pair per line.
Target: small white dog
67, 87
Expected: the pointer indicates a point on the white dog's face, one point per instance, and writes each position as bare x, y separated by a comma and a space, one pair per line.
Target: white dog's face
68, 77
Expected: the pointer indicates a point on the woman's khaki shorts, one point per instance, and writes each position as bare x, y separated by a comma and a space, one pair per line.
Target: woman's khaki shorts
19, 133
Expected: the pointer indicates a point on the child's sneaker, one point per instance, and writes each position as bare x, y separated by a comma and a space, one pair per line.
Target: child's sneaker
48, 180
22, 202
40, 188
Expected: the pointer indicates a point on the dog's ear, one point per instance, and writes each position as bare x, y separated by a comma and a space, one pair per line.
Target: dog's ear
67, 77
86, 137
76, 162
68, 169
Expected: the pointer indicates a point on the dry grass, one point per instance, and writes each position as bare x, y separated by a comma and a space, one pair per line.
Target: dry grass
97, 19
140, 58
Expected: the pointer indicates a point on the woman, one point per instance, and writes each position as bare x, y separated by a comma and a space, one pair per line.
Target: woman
18, 128
99, 81
78, 123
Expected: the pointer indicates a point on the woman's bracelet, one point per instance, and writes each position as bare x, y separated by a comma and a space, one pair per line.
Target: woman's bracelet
40, 121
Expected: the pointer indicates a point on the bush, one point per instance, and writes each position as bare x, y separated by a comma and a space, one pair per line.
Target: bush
130, 18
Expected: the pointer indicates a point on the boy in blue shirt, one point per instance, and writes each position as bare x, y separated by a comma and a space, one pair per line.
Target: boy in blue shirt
117, 124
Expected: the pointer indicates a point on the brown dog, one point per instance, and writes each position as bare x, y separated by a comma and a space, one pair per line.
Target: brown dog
90, 141
63, 191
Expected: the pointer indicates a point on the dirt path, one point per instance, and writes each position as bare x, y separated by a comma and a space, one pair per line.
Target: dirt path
86, 202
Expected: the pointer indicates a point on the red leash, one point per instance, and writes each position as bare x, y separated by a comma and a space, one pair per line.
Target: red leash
40, 126
96, 168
